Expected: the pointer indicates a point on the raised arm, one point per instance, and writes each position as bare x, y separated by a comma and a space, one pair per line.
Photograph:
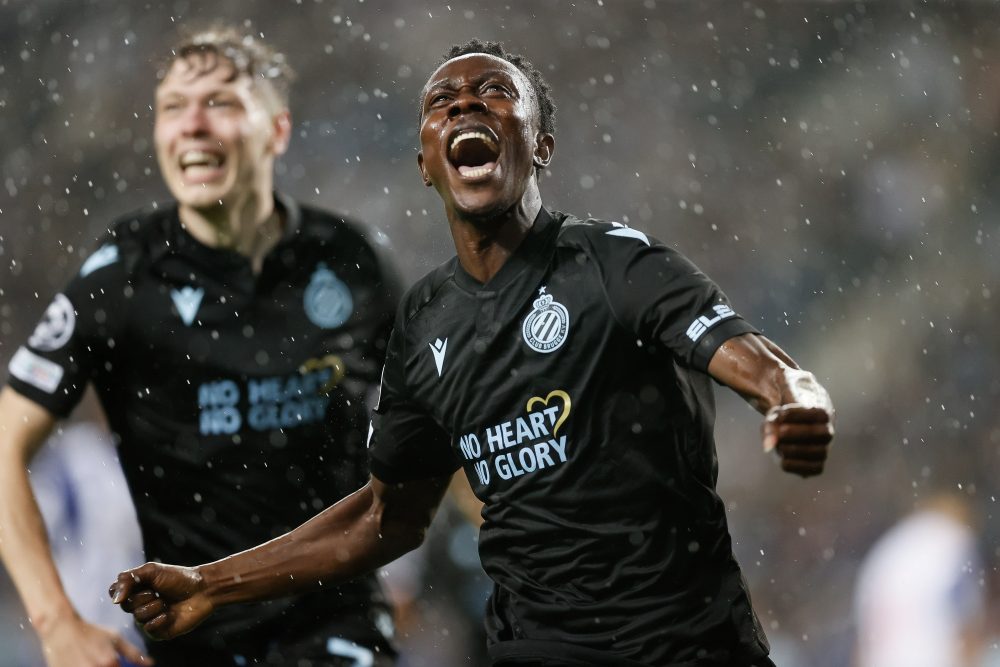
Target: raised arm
371, 527
66, 638
798, 422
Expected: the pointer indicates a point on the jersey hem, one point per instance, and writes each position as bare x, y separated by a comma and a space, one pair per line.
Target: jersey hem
560, 652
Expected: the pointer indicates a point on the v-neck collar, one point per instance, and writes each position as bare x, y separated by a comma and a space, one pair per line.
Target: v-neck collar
227, 258
525, 255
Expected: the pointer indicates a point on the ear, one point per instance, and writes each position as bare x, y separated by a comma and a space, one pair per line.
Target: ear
545, 145
282, 126
423, 172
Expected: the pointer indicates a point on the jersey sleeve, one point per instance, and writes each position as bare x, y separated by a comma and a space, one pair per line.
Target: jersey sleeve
659, 295
73, 337
405, 443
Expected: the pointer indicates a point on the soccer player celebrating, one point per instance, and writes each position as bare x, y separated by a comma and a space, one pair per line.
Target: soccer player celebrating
232, 338
566, 364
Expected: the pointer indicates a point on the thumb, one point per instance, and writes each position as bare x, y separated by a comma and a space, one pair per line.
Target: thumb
128, 651
127, 580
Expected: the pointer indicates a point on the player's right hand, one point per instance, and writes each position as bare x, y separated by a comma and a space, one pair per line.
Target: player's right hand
73, 642
165, 600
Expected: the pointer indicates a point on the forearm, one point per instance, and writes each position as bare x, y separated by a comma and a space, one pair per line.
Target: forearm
764, 375
24, 546
351, 538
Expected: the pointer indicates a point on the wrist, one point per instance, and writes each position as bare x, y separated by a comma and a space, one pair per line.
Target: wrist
215, 583
44, 620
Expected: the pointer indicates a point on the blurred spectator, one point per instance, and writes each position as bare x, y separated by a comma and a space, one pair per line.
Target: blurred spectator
920, 598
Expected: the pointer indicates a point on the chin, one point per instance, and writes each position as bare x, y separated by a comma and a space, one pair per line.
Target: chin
479, 206
197, 195
481, 212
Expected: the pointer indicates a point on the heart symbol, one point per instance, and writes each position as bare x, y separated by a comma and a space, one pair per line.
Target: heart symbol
556, 393
331, 361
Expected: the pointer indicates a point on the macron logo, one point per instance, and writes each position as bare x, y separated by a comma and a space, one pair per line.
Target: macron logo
187, 301
439, 347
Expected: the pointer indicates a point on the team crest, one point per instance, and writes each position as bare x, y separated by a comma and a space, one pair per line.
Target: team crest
546, 326
327, 301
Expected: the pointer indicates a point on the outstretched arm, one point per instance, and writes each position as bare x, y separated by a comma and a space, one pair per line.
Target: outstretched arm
371, 527
799, 414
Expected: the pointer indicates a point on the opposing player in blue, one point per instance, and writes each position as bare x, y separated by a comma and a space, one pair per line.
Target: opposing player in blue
233, 337
566, 365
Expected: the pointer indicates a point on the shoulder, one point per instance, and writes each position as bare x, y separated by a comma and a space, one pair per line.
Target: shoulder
128, 241
343, 239
600, 237
424, 292
142, 226
325, 226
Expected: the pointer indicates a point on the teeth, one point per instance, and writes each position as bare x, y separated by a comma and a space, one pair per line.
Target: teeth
476, 172
191, 158
473, 134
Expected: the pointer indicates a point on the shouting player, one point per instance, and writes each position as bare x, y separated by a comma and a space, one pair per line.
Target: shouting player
566, 364
232, 338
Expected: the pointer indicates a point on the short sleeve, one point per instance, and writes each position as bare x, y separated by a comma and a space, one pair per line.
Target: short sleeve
663, 298
405, 443
72, 338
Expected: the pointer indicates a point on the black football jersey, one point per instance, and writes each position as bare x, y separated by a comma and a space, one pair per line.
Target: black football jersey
239, 399
572, 389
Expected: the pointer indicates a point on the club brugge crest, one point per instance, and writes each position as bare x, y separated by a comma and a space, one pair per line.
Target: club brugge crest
327, 301
546, 326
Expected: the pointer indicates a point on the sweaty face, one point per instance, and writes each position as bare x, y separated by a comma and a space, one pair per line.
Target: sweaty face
478, 135
213, 134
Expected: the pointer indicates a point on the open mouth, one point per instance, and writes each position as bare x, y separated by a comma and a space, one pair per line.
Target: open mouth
474, 152
200, 163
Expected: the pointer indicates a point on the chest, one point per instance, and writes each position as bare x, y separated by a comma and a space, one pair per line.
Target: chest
490, 359
227, 354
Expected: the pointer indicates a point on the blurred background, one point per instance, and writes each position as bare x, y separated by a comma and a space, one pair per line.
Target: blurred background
833, 166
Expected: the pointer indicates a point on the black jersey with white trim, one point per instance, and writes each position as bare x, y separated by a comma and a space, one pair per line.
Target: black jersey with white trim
240, 400
572, 389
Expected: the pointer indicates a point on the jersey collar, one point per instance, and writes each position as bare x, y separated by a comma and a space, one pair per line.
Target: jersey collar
533, 247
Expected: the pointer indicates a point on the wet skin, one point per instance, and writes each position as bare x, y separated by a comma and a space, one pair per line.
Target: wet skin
489, 213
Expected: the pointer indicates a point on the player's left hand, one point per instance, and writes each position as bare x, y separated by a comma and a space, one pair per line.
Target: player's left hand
800, 435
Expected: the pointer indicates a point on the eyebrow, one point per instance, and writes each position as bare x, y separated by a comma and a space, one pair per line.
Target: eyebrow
449, 82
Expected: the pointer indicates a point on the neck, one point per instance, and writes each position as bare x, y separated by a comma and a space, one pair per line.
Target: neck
250, 226
484, 245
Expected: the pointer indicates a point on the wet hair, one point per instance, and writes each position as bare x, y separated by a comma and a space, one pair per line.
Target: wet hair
247, 53
541, 89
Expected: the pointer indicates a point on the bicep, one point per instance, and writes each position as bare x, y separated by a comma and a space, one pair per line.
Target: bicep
24, 424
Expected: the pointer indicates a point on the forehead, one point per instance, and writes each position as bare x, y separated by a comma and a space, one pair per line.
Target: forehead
200, 71
473, 66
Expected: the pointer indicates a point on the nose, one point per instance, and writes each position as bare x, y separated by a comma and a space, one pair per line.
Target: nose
194, 121
465, 102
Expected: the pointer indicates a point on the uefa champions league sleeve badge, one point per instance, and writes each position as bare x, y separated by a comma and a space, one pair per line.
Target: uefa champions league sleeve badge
547, 325
327, 300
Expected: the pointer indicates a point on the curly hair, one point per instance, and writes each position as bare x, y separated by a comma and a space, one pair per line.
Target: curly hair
541, 89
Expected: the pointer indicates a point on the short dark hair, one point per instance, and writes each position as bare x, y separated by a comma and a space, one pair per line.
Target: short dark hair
541, 89
247, 52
